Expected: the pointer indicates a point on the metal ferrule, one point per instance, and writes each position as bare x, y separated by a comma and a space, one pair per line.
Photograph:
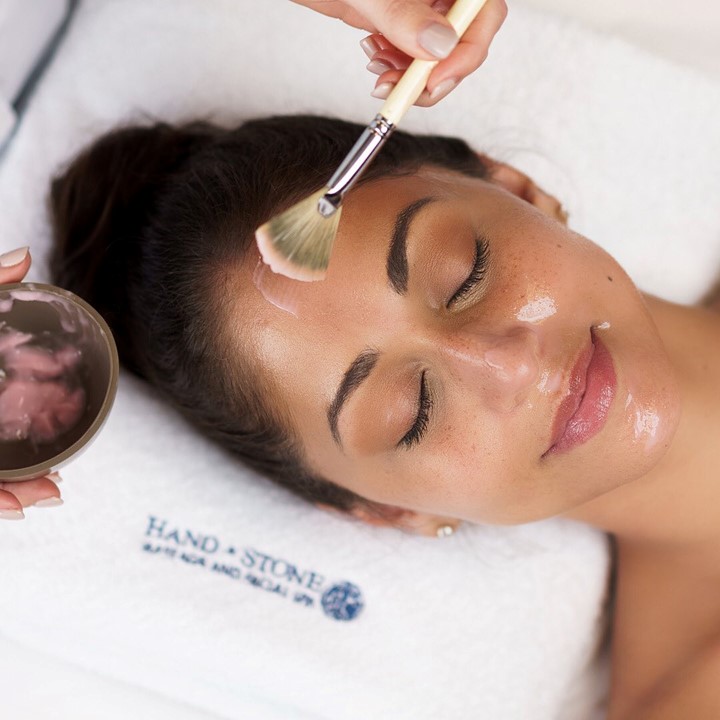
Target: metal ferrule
354, 164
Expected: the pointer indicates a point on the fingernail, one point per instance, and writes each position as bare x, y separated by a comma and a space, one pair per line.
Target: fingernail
378, 67
382, 91
7, 514
369, 46
49, 502
14, 257
55, 477
444, 88
438, 40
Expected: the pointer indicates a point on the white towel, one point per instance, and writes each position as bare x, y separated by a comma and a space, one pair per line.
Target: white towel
7, 122
174, 568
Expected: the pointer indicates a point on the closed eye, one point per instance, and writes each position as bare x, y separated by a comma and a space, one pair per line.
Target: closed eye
477, 273
414, 435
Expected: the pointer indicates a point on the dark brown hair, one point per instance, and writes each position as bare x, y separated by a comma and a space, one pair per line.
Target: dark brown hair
148, 223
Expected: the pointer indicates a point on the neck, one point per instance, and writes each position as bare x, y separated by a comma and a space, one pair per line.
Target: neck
678, 501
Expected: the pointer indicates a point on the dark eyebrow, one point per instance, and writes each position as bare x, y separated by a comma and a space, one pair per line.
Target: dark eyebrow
397, 263
358, 371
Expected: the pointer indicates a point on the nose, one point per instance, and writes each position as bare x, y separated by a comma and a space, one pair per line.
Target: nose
503, 367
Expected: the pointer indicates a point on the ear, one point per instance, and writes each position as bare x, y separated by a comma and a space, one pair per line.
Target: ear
380, 515
521, 185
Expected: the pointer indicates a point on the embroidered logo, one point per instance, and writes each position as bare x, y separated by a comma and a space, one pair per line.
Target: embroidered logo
342, 601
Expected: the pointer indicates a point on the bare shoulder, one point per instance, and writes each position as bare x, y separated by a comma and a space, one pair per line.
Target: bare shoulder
711, 301
691, 691
666, 632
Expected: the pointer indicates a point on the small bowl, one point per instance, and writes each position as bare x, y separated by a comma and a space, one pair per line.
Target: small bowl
56, 319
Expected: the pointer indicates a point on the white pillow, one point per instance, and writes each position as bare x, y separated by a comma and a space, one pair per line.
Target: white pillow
25, 31
500, 623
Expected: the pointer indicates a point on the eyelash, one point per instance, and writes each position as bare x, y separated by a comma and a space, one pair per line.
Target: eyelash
476, 274
421, 421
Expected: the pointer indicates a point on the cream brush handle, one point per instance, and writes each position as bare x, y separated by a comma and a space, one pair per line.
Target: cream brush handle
413, 82
406, 92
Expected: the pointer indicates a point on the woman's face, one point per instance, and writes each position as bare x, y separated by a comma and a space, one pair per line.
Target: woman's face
467, 356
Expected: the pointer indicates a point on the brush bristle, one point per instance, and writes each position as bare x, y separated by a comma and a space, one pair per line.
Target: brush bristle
298, 242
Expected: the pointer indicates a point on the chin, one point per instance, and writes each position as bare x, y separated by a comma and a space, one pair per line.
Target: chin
629, 452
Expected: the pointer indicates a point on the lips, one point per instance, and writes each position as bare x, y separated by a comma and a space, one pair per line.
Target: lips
591, 389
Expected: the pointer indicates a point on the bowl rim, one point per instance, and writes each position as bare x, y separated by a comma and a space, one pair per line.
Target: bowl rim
40, 469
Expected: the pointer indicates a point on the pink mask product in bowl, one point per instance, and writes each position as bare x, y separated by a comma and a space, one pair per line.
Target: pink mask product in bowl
58, 377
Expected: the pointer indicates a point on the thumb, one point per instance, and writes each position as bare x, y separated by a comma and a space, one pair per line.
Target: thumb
14, 265
413, 26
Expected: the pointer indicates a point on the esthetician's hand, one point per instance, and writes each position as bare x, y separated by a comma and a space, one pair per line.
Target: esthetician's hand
402, 30
14, 496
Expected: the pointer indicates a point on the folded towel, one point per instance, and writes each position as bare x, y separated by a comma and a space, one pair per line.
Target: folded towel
24, 38
7, 122
173, 567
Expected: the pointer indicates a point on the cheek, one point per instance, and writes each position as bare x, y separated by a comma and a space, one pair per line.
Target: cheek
476, 470
539, 268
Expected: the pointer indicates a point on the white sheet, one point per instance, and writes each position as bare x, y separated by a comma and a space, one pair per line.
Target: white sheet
38, 686
688, 37
87, 557
25, 31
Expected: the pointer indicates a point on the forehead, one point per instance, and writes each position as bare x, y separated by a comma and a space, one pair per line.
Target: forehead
370, 215
280, 305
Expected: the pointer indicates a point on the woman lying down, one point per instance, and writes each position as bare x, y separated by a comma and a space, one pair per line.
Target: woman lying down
468, 359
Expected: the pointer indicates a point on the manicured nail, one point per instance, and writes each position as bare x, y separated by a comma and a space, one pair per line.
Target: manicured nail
14, 257
7, 514
49, 502
369, 46
378, 67
444, 88
55, 477
438, 40
382, 91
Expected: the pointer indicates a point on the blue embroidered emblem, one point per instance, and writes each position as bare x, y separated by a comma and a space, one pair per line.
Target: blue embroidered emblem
343, 601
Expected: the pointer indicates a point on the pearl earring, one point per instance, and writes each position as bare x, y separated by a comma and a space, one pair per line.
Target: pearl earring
445, 531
